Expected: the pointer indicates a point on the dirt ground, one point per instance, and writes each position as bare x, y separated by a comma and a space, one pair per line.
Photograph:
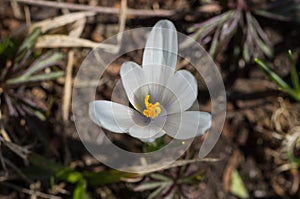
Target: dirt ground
261, 130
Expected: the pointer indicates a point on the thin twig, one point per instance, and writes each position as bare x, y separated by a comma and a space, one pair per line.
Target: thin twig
66, 104
27, 16
122, 18
99, 9
68, 87
16, 9
122, 23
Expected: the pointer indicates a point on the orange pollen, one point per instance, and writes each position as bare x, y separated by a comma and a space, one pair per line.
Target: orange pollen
152, 110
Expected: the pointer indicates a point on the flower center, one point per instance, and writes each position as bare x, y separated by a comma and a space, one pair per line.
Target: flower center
152, 110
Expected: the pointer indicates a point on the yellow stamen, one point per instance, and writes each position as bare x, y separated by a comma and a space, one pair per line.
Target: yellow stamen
152, 110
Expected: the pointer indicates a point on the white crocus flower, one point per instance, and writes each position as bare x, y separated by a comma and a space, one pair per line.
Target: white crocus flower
160, 95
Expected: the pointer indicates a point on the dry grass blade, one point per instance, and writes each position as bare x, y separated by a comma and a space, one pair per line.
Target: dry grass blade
27, 16
4, 134
65, 41
16, 9
68, 87
77, 28
56, 22
99, 9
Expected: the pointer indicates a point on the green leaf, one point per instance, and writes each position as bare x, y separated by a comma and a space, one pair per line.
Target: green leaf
294, 73
74, 177
283, 86
151, 185
80, 190
246, 53
158, 176
272, 15
47, 60
264, 47
6, 43
30, 41
214, 43
46, 76
27, 44
69, 175
39, 114
237, 186
107, 177
282, 10
206, 27
44, 163
53, 168
192, 179
43, 62
35, 78
272, 75
292, 93
157, 191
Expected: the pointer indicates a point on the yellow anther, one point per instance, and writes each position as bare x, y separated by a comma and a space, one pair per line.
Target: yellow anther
152, 110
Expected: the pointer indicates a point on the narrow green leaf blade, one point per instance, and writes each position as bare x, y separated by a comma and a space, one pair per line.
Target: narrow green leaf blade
6, 43
35, 78
264, 47
294, 73
157, 191
30, 41
292, 93
46, 76
214, 43
43, 62
107, 177
45, 163
246, 53
237, 186
160, 177
150, 185
272, 75
80, 190
26, 46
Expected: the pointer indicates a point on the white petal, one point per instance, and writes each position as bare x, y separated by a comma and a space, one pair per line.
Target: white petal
112, 116
149, 131
183, 87
188, 124
157, 78
145, 133
133, 79
162, 45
